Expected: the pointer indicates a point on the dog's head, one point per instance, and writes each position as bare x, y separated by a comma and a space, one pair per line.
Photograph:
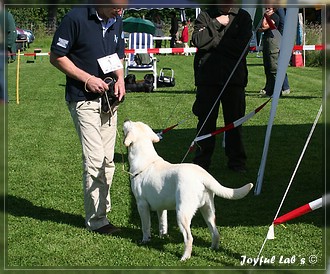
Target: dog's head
135, 131
149, 78
130, 79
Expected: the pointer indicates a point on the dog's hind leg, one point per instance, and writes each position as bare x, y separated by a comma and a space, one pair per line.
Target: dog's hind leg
184, 221
162, 219
208, 213
144, 211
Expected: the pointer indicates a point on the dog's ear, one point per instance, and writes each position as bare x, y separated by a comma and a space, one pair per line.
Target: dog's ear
129, 138
151, 134
155, 138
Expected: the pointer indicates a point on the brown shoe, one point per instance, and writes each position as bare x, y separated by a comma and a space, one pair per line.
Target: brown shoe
107, 229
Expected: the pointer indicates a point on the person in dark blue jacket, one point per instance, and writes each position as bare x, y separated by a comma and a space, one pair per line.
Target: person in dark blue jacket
88, 47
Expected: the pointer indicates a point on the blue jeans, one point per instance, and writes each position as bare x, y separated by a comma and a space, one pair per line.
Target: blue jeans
285, 85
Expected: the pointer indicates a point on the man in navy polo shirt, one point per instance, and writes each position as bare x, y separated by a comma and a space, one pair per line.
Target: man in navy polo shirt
88, 47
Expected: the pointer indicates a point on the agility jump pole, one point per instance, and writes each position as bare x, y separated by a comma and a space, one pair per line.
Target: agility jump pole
286, 46
302, 210
316, 204
270, 233
230, 126
186, 50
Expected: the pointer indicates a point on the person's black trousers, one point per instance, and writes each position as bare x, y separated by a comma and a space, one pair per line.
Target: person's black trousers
233, 107
173, 40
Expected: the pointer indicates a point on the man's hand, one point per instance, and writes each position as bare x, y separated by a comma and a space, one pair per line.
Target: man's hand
223, 19
120, 88
96, 85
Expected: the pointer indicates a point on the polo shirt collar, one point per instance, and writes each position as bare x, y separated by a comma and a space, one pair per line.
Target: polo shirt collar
92, 13
110, 22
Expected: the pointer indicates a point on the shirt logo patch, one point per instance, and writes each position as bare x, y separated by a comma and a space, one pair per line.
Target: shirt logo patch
116, 39
62, 42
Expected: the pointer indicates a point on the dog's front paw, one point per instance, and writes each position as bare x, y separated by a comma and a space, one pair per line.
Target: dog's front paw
215, 246
164, 236
185, 257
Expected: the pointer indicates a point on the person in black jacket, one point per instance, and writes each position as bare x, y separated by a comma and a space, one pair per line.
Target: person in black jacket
222, 37
174, 29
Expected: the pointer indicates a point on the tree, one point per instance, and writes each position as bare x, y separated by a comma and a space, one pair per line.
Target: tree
52, 18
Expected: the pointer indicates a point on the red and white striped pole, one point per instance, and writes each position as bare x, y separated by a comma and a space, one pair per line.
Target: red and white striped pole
229, 126
182, 50
316, 204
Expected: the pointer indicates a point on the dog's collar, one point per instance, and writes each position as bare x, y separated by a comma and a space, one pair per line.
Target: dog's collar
139, 172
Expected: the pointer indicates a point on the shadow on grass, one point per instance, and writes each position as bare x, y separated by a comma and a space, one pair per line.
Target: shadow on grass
255, 65
173, 90
249, 93
256, 94
21, 207
250, 211
175, 237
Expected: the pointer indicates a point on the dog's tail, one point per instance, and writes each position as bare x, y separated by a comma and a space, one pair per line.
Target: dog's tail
226, 192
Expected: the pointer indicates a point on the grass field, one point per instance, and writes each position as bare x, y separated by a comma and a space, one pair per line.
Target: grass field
44, 205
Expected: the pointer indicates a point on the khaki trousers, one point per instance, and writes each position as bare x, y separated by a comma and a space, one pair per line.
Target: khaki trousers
97, 134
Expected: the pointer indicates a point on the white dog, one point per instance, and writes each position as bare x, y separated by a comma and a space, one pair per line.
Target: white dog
160, 186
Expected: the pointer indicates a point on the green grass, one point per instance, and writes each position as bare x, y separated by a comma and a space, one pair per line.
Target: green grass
44, 205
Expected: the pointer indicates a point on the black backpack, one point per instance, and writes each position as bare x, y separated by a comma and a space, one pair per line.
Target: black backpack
142, 59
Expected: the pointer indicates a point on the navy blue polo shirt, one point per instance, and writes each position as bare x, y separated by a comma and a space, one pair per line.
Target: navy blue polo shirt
80, 38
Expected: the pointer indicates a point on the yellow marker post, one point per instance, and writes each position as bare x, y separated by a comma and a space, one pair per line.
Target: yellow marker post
17, 76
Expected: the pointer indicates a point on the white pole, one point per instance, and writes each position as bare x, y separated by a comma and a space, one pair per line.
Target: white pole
287, 42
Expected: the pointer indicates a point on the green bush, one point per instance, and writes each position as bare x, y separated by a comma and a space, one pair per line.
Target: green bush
314, 58
39, 20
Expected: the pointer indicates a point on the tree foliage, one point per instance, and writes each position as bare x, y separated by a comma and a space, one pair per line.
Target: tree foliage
164, 13
37, 18
47, 18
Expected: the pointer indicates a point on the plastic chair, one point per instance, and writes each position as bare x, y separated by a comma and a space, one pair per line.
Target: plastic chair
138, 40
